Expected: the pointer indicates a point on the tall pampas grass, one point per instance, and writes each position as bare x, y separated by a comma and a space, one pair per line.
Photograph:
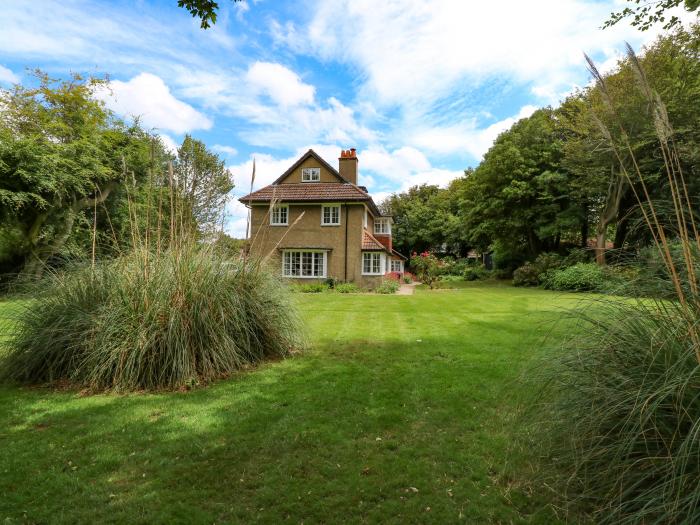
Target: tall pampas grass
166, 315
622, 404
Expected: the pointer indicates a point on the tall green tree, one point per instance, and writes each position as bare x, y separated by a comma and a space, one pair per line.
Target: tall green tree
55, 164
518, 197
203, 182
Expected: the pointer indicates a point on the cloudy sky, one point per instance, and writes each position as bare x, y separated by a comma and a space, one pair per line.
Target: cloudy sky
420, 87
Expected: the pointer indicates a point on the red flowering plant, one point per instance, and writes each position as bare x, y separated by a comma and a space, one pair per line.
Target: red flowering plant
427, 267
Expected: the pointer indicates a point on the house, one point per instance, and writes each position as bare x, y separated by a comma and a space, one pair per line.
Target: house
316, 223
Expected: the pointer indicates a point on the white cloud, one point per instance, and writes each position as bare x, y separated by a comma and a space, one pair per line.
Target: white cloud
414, 53
465, 136
280, 83
148, 97
402, 168
169, 143
229, 151
7, 76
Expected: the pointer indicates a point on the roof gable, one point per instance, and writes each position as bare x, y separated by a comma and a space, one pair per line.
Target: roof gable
310, 154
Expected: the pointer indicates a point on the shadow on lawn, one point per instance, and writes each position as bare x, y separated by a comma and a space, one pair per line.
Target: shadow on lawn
393, 432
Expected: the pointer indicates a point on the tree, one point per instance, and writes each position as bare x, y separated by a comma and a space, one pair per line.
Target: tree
646, 13
519, 196
420, 218
203, 182
54, 164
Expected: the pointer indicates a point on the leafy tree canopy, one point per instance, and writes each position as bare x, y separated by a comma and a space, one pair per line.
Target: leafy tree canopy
646, 13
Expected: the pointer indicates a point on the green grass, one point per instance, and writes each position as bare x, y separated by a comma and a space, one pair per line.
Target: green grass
401, 412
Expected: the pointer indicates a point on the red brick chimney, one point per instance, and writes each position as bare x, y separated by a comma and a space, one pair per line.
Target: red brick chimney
347, 165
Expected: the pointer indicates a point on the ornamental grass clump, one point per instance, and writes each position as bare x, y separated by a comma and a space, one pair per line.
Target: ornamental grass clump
624, 417
151, 321
622, 407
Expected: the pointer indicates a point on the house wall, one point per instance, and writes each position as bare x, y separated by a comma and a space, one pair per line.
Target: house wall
295, 176
308, 233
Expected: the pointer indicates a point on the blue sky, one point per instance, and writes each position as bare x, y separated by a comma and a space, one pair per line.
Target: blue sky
421, 88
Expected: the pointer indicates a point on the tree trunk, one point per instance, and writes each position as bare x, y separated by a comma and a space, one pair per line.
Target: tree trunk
40, 254
608, 215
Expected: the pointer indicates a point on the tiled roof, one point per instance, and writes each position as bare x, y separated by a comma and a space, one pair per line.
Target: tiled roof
370, 243
308, 191
310, 154
394, 252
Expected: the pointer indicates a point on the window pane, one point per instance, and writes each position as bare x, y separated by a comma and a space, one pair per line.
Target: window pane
296, 264
366, 266
318, 264
306, 264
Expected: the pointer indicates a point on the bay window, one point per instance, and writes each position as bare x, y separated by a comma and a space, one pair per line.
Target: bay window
304, 263
372, 263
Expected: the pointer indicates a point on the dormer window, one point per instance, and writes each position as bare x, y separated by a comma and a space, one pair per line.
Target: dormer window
382, 226
311, 175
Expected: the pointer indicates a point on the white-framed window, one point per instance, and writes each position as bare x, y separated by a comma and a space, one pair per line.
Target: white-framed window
372, 263
396, 265
280, 215
382, 225
330, 214
311, 175
308, 264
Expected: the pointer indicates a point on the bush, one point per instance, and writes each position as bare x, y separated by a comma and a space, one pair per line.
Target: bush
347, 288
427, 267
388, 287
580, 277
451, 278
407, 279
527, 275
530, 273
623, 413
151, 322
311, 288
476, 273
453, 266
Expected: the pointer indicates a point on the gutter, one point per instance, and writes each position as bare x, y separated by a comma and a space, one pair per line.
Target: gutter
347, 211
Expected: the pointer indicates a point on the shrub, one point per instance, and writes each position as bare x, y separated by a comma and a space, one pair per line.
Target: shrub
151, 322
476, 273
427, 267
623, 413
311, 288
453, 266
407, 279
527, 275
388, 287
580, 277
347, 288
451, 278
530, 273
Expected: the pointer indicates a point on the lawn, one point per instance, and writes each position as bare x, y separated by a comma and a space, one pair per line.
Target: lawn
400, 412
